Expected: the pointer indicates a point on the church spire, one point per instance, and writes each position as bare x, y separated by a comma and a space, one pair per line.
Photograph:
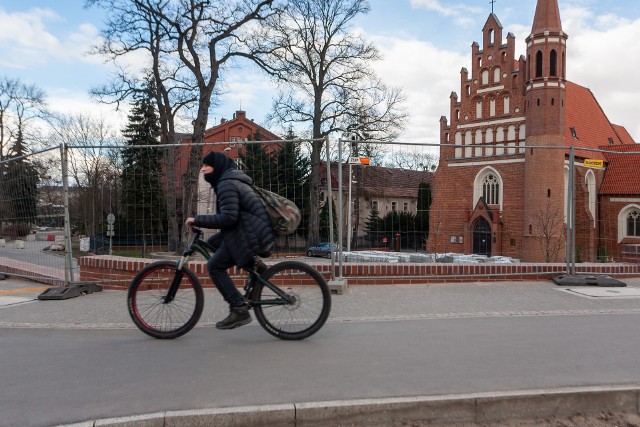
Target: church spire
547, 17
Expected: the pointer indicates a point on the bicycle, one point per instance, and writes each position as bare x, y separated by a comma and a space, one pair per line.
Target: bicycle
291, 299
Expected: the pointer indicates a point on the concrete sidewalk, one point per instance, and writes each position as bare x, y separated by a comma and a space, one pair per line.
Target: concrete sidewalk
19, 308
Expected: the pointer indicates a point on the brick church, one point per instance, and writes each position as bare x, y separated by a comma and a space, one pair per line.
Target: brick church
503, 178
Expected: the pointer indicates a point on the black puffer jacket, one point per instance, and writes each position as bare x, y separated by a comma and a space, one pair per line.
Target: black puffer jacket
245, 227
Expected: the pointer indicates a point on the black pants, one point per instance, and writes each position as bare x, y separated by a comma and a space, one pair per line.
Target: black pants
217, 267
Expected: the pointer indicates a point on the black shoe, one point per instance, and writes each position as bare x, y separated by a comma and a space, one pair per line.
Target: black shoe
238, 316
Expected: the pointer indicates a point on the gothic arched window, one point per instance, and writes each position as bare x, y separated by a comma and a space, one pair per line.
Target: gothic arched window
633, 223
539, 64
590, 181
491, 190
629, 222
553, 59
488, 185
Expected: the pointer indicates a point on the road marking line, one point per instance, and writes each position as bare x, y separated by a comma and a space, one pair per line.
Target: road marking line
23, 290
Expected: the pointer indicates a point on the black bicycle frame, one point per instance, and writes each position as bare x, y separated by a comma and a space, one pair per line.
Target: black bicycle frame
205, 249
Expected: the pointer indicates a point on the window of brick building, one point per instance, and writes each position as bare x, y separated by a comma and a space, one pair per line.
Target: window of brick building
539, 64
633, 223
629, 222
488, 185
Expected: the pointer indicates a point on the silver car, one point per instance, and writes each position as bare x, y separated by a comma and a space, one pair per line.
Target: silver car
323, 249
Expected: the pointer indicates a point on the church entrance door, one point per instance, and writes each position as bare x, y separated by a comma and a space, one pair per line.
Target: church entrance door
482, 237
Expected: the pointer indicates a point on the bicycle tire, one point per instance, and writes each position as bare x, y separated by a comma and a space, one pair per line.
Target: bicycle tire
312, 301
145, 301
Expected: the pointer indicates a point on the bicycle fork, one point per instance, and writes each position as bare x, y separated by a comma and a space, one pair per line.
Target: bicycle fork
175, 283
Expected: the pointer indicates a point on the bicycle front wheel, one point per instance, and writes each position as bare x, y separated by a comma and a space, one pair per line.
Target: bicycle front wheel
309, 305
155, 314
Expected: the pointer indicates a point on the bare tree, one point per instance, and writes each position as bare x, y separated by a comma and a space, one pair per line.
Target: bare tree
94, 167
130, 28
190, 41
324, 76
550, 229
413, 159
20, 103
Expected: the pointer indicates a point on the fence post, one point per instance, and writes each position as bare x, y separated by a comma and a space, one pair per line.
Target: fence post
340, 209
336, 284
571, 236
68, 252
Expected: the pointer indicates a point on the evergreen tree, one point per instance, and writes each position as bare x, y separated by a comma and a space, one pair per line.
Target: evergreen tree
258, 164
402, 223
143, 206
21, 191
424, 205
373, 227
324, 221
293, 177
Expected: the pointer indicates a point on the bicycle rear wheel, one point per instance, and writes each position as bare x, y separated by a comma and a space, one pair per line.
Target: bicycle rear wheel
310, 305
149, 308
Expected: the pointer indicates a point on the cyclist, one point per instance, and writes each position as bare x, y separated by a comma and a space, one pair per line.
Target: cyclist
245, 231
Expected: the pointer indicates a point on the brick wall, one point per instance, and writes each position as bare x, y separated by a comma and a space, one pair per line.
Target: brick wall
116, 272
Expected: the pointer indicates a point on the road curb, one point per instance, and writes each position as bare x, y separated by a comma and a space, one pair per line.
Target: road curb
454, 408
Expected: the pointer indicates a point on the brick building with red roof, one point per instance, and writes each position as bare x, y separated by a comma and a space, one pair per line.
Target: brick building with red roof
234, 132
502, 182
228, 136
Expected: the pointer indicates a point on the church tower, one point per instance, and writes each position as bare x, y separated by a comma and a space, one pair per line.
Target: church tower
544, 192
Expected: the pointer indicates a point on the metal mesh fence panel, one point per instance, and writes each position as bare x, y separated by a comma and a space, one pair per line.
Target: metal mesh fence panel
386, 191
395, 203
32, 234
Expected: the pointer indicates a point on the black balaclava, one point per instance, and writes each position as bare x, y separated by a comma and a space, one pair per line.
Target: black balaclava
220, 163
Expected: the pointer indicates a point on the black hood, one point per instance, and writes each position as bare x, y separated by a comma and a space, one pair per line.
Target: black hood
220, 163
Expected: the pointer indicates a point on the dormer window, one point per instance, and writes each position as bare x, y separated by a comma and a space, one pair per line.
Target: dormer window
610, 141
573, 133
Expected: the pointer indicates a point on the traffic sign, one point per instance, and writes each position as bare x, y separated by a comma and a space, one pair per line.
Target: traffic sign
111, 218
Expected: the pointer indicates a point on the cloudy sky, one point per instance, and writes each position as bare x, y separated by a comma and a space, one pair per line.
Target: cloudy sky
424, 43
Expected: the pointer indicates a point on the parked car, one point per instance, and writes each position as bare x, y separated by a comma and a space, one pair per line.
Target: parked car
323, 249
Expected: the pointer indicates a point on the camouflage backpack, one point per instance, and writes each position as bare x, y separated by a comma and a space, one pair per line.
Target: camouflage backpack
284, 214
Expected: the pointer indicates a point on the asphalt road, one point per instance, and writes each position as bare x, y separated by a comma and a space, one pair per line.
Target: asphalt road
52, 376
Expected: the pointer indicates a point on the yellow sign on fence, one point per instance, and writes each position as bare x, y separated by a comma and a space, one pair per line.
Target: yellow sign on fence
592, 163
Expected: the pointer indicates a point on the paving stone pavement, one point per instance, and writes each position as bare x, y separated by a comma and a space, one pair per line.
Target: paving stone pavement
20, 307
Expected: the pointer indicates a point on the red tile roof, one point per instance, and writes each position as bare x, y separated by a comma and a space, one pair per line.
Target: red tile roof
592, 127
378, 180
594, 130
623, 170
622, 133
547, 17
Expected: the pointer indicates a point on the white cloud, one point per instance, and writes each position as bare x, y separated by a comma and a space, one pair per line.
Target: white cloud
605, 57
451, 10
26, 41
64, 101
427, 75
